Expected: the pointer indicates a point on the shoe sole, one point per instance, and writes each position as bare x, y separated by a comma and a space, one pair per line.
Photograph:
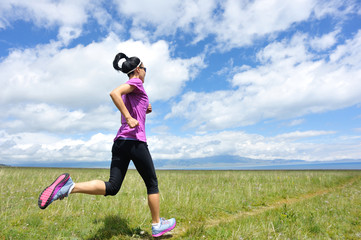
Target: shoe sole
167, 230
47, 194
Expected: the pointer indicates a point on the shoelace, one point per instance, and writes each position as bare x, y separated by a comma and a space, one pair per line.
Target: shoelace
163, 220
62, 196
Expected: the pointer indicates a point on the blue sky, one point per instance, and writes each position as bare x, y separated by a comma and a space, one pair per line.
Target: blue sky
257, 79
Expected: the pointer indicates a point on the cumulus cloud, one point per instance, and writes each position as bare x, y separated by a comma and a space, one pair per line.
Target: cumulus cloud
45, 13
48, 88
233, 23
56, 119
324, 42
69, 16
290, 82
166, 76
292, 145
39, 147
66, 16
73, 77
85, 73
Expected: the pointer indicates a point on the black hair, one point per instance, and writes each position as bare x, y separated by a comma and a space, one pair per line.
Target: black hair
127, 66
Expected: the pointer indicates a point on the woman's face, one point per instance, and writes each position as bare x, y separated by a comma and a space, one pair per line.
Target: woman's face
142, 72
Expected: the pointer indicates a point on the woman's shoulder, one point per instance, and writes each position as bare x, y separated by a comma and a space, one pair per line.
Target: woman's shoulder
134, 81
137, 83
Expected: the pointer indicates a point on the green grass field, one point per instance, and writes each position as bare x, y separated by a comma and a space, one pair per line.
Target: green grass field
206, 204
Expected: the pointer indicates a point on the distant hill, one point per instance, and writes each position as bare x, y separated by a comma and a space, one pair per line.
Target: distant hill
223, 162
238, 163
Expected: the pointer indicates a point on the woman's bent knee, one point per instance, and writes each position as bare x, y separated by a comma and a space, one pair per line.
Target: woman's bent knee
111, 189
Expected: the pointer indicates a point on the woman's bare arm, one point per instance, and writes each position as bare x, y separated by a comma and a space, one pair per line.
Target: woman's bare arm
116, 96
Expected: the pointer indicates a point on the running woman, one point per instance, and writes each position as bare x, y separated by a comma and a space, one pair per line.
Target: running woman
130, 143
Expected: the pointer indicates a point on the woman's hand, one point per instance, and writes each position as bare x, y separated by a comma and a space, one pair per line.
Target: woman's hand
132, 122
149, 109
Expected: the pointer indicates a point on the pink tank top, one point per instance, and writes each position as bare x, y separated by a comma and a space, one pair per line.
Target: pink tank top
137, 104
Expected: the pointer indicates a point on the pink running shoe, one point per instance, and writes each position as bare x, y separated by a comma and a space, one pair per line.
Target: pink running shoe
48, 194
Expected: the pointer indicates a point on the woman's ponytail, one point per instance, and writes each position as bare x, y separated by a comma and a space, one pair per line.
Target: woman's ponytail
128, 66
117, 59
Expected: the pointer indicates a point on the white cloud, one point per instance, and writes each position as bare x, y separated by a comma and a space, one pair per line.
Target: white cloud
336, 8
291, 82
233, 23
39, 147
68, 16
293, 145
348, 53
81, 76
304, 134
165, 17
56, 119
67, 34
324, 42
243, 22
63, 90
165, 76
296, 122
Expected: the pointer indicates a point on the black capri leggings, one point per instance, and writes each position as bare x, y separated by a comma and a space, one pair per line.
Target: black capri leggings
122, 152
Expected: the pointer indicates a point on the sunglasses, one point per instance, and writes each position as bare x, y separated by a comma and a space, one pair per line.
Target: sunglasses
145, 69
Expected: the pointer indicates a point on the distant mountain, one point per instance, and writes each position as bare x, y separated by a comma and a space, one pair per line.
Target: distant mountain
224, 162
239, 163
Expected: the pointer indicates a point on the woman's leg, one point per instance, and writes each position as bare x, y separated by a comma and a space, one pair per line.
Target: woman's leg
144, 165
153, 203
118, 169
95, 187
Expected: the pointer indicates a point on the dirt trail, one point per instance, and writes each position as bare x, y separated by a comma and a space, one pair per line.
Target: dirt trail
275, 205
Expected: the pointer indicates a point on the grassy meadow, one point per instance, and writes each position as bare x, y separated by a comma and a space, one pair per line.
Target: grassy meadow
206, 204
